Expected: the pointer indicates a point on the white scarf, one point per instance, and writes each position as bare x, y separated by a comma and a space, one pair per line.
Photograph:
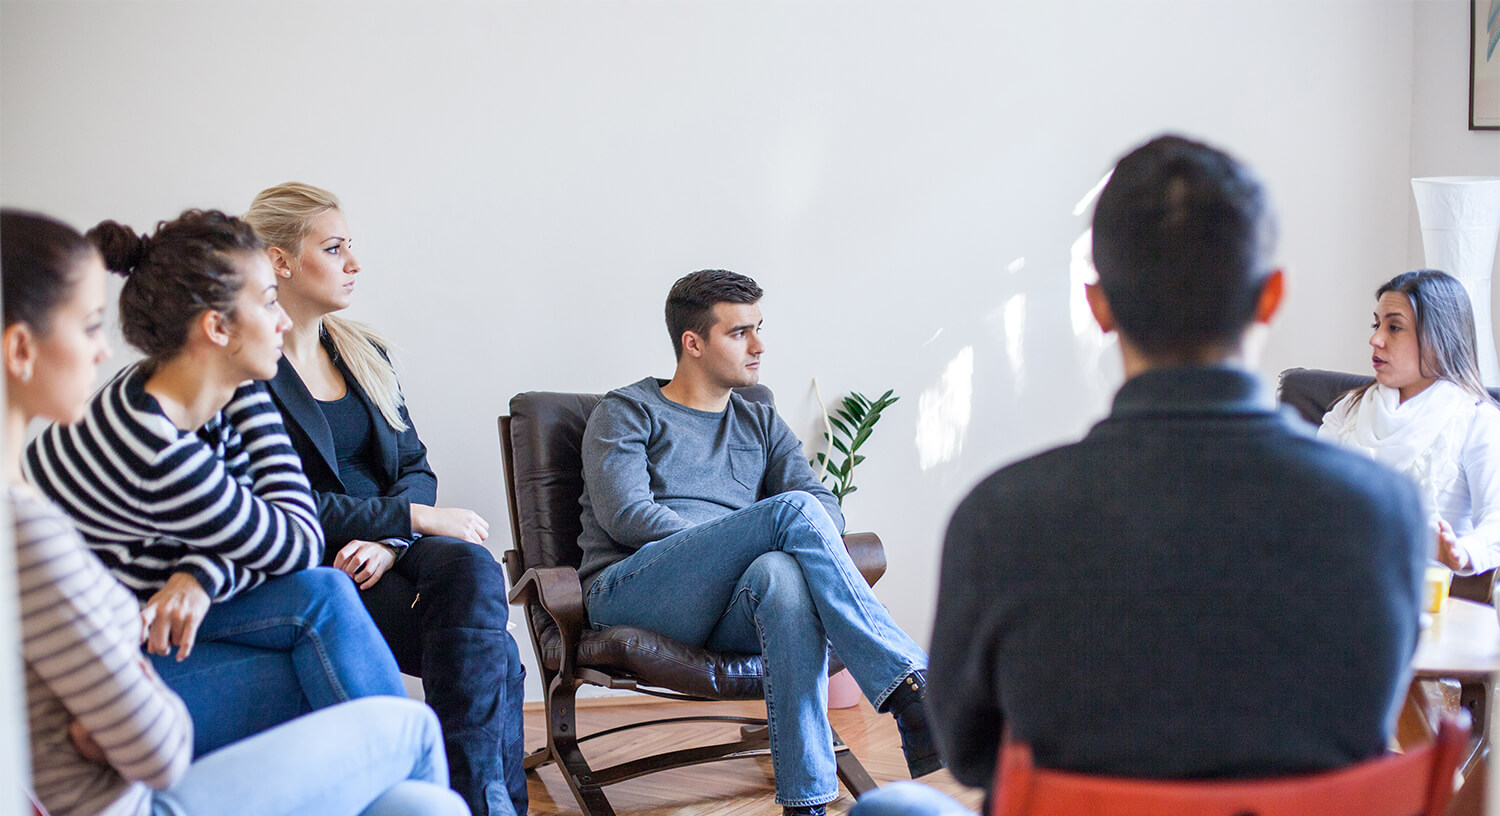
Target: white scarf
1422, 437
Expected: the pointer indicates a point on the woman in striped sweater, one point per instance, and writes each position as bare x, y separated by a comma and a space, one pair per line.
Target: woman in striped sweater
180, 477
106, 736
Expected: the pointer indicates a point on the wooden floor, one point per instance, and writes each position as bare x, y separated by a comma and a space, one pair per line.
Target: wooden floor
741, 787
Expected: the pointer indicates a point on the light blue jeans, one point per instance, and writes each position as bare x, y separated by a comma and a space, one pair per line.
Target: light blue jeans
908, 799
375, 756
772, 579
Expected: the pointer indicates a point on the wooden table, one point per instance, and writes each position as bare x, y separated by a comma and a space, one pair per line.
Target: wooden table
1463, 643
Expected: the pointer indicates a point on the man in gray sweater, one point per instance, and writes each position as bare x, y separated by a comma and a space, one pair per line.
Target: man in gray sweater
703, 521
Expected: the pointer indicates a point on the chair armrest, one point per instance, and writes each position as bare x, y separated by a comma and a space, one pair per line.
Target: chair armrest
868, 555
559, 593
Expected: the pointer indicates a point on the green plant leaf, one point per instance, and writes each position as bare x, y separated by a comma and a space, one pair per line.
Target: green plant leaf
859, 460
839, 445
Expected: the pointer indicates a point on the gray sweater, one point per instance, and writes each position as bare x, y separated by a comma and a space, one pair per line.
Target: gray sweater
652, 467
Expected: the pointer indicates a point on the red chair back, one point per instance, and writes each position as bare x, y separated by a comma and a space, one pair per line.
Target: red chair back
1420, 781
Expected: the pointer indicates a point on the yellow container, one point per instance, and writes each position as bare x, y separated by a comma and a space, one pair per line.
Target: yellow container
1435, 590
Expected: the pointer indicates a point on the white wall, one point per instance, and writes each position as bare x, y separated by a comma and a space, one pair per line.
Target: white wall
1441, 142
526, 179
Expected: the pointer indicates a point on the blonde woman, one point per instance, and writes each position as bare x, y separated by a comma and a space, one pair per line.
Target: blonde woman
106, 735
180, 477
436, 594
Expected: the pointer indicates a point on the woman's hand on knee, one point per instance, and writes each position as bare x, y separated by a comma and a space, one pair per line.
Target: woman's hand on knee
173, 614
364, 561
455, 522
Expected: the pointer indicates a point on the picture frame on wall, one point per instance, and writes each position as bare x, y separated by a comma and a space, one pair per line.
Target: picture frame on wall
1484, 65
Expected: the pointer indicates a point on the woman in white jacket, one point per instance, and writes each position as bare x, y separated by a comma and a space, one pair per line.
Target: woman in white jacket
1428, 414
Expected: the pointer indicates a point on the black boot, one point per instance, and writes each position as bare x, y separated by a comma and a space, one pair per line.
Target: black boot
908, 704
805, 810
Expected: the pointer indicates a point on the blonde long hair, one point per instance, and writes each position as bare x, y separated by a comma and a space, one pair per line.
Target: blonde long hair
283, 216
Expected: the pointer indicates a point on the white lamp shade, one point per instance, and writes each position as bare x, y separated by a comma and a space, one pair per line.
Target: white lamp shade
1460, 218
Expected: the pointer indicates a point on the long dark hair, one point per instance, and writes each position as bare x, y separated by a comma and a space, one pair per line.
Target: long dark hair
181, 271
1446, 344
39, 266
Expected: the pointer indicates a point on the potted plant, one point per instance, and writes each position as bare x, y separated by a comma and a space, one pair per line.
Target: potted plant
845, 430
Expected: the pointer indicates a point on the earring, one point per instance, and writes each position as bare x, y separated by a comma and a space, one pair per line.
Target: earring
26, 373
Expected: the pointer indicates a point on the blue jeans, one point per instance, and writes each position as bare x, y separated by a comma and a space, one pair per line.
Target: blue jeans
376, 756
772, 579
442, 609
293, 644
908, 799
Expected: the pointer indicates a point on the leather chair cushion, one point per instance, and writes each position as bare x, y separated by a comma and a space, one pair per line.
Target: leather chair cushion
1313, 391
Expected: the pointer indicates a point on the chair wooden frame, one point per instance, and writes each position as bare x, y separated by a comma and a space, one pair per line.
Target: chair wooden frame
558, 592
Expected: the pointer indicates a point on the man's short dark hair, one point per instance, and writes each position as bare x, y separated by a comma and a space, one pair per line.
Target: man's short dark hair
690, 304
1183, 239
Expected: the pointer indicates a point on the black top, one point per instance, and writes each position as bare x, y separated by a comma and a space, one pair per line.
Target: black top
1198, 588
401, 463
353, 444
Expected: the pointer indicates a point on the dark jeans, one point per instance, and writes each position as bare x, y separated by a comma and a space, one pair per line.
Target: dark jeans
291, 645
442, 609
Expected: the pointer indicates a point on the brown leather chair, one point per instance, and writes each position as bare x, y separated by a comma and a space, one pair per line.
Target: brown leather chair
1312, 392
540, 442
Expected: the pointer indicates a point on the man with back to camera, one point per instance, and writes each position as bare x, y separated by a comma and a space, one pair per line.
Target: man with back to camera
702, 521
1198, 588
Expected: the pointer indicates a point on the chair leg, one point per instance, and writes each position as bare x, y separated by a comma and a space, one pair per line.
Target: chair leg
562, 745
851, 772
537, 758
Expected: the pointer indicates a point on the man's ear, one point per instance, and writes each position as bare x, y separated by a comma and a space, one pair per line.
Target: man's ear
281, 262
1099, 305
214, 326
692, 344
1271, 293
18, 344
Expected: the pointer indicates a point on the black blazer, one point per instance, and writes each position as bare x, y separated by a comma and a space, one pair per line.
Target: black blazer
402, 464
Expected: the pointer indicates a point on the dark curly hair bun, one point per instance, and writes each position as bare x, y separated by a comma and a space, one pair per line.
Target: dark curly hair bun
122, 248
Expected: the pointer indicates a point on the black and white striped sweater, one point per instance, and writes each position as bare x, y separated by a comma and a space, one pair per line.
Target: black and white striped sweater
228, 504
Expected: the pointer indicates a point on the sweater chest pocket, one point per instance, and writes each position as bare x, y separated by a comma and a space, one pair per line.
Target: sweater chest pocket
747, 465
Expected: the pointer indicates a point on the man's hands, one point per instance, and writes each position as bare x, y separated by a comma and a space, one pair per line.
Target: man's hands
365, 561
455, 522
1449, 553
171, 616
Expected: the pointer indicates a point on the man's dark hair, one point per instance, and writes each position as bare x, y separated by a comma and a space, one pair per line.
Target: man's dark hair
1183, 239
690, 304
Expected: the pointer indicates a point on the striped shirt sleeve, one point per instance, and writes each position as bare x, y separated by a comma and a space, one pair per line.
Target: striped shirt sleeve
228, 504
81, 643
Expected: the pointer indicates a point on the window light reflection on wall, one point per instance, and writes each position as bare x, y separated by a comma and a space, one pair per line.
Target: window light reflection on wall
943, 412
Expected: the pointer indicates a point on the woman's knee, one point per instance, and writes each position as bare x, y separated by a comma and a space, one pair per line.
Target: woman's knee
466, 584
417, 799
